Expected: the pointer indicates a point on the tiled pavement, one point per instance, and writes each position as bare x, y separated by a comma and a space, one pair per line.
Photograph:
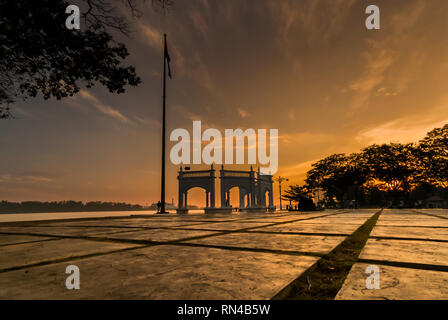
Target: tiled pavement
410, 248
244, 256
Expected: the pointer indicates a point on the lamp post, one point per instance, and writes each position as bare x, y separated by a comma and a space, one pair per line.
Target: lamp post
280, 179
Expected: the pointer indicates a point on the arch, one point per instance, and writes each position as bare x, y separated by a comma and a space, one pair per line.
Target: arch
198, 196
264, 185
233, 196
243, 180
255, 189
267, 201
194, 187
204, 179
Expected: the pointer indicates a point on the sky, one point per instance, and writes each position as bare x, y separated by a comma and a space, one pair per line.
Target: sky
308, 68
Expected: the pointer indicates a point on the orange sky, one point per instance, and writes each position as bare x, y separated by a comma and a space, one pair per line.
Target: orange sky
307, 68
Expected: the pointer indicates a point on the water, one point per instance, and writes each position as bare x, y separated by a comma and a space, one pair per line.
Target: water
69, 215
16, 217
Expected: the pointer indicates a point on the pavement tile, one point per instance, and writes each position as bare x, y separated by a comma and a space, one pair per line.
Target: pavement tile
63, 231
6, 239
411, 232
30, 253
410, 251
313, 228
160, 234
162, 272
287, 242
395, 284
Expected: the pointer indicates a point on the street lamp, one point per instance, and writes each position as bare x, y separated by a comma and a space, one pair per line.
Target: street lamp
280, 179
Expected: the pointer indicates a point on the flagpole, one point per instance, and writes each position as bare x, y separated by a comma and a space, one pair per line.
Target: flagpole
162, 200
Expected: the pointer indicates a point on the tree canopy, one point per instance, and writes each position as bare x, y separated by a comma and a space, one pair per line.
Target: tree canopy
394, 171
40, 56
433, 156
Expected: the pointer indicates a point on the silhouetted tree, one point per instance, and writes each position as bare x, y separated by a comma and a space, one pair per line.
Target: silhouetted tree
433, 156
39, 55
381, 173
300, 195
340, 176
393, 166
65, 206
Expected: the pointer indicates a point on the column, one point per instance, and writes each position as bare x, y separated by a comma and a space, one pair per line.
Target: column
271, 199
207, 194
180, 203
241, 199
223, 197
212, 187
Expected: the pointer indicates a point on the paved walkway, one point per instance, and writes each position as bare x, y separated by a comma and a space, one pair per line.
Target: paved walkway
245, 256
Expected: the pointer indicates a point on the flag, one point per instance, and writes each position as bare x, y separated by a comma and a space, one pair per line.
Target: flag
168, 59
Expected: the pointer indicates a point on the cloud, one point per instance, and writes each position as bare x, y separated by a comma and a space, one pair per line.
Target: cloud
401, 130
199, 22
384, 57
304, 16
296, 138
152, 36
7, 178
243, 113
297, 172
149, 121
377, 64
104, 109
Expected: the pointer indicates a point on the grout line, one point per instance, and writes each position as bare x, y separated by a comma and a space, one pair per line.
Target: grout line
431, 215
325, 278
409, 265
26, 242
103, 239
66, 259
407, 239
398, 226
248, 249
149, 243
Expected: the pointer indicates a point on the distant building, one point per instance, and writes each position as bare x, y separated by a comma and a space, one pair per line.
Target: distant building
168, 206
436, 202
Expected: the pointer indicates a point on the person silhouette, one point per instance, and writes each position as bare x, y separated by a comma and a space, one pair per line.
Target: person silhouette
159, 206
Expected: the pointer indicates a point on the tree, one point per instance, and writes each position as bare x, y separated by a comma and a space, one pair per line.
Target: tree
393, 166
409, 172
340, 176
39, 55
433, 156
301, 195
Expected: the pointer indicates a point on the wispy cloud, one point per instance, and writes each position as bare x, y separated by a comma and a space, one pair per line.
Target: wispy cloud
297, 172
109, 111
199, 22
377, 63
243, 113
7, 178
401, 130
151, 35
148, 121
382, 74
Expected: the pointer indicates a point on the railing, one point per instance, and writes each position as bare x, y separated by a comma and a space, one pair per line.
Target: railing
196, 174
238, 174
